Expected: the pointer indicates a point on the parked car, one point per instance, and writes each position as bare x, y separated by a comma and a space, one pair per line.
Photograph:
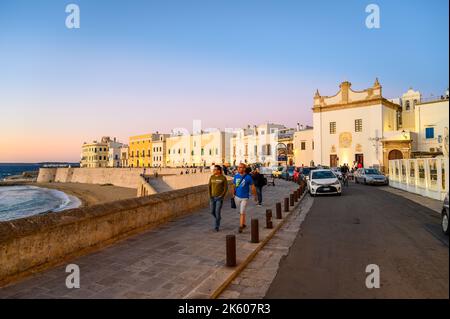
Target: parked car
304, 172
370, 176
277, 171
444, 215
323, 181
337, 172
288, 174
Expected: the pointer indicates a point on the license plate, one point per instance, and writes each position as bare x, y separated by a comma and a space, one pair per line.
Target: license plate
326, 188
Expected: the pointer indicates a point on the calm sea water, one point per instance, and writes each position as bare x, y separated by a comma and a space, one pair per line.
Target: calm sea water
16, 169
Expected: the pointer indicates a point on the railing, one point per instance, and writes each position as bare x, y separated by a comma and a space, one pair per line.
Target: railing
425, 176
433, 99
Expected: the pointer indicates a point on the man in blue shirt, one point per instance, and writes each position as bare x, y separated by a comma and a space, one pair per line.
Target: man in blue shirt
241, 190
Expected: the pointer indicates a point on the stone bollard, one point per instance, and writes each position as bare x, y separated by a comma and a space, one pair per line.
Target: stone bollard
231, 250
286, 204
291, 200
296, 196
278, 210
255, 231
269, 224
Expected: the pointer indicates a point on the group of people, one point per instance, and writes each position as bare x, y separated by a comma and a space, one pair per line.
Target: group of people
246, 182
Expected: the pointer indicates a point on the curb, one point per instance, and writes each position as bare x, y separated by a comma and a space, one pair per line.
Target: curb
253, 254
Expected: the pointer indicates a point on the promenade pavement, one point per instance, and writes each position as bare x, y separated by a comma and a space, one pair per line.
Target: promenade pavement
184, 258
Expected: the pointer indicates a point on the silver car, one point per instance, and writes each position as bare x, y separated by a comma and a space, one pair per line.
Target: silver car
444, 215
370, 176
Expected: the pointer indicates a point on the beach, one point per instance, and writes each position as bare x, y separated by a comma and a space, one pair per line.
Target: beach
91, 194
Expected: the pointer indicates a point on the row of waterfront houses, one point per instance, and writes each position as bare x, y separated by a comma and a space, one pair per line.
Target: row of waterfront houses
348, 127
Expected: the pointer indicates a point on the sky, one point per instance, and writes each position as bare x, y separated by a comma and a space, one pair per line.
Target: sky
136, 66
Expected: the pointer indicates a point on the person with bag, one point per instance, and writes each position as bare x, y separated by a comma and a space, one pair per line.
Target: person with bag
218, 188
241, 190
259, 181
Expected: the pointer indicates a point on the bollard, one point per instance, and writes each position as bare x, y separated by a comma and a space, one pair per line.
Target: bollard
278, 211
286, 204
231, 250
269, 219
255, 231
296, 196
291, 199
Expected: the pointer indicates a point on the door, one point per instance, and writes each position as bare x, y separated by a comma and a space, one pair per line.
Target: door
395, 154
359, 158
333, 160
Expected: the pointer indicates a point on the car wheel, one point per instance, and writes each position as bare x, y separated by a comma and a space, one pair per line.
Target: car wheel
444, 223
312, 195
365, 182
356, 181
339, 194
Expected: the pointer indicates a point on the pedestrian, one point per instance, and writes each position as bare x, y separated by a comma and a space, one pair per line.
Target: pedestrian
242, 182
225, 170
259, 181
218, 188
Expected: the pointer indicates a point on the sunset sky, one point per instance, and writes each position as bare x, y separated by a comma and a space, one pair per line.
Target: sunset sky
143, 66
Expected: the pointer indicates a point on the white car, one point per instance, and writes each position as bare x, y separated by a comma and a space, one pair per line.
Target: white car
337, 172
323, 181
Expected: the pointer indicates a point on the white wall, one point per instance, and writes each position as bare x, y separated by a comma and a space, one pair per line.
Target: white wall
372, 126
424, 176
433, 114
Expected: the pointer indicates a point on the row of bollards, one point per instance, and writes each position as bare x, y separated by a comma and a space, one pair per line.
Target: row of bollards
288, 201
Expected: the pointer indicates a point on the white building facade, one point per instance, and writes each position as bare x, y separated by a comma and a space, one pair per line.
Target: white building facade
350, 127
255, 144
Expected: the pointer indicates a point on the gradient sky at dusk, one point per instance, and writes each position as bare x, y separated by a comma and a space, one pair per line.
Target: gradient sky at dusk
143, 66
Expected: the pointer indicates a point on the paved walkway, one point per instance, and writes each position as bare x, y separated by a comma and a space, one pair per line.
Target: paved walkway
255, 280
182, 259
433, 204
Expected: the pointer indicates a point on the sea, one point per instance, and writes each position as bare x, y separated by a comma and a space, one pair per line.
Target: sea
7, 169
28, 200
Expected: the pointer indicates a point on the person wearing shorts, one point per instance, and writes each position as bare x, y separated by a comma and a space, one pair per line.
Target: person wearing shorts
242, 182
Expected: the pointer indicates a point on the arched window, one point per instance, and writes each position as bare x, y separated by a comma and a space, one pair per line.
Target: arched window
407, 106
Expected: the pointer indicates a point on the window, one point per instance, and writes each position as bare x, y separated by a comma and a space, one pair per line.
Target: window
429, 132
407, 106
332, 127
303, 146
358, 125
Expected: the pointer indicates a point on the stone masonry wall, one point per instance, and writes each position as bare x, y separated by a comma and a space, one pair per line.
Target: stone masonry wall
35, 243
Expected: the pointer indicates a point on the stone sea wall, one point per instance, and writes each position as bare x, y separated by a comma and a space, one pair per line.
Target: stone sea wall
35, 243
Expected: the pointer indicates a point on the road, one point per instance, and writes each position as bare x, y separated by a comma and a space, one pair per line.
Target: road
366, 225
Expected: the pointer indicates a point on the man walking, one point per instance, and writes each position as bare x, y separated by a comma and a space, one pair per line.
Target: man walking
241, 190
260, 181
218, 187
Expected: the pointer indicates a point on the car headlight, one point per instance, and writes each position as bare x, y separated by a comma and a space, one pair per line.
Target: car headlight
336, 183
314, 183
